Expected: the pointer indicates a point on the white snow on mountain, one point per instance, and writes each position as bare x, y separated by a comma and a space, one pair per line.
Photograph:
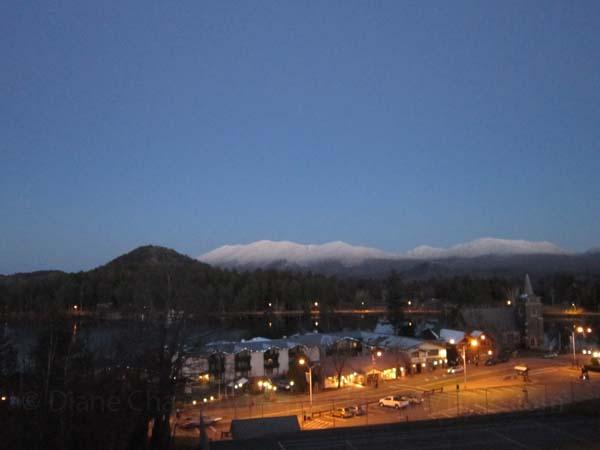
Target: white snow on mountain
266, 252
487, 246
263, 253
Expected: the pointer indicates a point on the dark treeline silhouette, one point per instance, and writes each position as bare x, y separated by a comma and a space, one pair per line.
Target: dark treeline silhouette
63, 396
134, 282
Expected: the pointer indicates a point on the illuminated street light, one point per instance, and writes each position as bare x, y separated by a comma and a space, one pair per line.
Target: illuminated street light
490, 352
483, 337
194, 402
508, 302
452, 341
474, 343
580, 330
75, 307
303, 362
292, 383
316, 304
409, 303
379, 353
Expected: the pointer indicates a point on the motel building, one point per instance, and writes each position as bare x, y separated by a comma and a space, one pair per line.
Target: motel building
348, 359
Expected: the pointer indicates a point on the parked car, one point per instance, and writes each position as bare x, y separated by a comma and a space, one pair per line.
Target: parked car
551, 355
491, 362
344, 413
283, 385
413, 398
456, 369
358, 410
393, 402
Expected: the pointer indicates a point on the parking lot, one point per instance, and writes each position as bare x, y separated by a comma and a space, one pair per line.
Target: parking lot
490, 390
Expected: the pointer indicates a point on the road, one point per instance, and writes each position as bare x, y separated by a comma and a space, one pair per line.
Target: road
489, 390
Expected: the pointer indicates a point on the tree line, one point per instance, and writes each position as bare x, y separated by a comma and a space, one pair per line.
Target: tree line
137, 281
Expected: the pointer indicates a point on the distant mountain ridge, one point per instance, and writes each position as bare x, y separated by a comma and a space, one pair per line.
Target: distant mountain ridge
266, 253
481, 258
488, 246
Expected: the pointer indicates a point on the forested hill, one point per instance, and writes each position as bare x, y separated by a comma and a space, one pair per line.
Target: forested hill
152, 278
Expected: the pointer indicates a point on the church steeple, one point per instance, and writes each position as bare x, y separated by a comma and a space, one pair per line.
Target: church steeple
528, 290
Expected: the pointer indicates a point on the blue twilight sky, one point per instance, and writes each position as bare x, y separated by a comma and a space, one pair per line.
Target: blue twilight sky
383, 123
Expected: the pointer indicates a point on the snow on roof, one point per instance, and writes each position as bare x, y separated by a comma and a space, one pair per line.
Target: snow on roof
476, 333
384, 327
451, 335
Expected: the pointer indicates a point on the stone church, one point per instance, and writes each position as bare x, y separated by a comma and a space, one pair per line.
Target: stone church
531, 317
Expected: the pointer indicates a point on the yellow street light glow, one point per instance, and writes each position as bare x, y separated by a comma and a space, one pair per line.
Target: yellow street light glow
316, 304
260, 383
301, 361
292, 383
580, 329
508, 302
194, 402
316, 324
490, 352
274, 388
589, 330
75, 306
211, 398
379, 353
409, 303
3, 398
483, 337
474, 343
270, 304
204, 399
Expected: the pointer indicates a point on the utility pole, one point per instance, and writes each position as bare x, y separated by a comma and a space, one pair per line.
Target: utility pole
465, 364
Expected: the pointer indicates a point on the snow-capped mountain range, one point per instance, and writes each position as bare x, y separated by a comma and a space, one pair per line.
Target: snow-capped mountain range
488, 246
262, 253
266, 253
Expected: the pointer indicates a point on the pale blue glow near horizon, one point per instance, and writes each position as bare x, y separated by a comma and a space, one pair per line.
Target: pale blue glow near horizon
386, 124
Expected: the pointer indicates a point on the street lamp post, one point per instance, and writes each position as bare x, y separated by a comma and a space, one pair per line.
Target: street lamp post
473, 343
465, 364
303, 362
